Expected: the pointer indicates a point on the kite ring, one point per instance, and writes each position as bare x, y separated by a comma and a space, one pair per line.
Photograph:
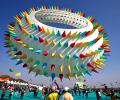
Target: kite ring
36, 42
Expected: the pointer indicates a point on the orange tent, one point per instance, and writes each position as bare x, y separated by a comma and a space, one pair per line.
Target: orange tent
4, 79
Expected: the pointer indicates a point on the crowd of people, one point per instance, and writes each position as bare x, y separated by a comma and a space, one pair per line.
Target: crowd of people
13, 89
53, 92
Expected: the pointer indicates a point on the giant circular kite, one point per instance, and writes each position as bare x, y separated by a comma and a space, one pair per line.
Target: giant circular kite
54, 51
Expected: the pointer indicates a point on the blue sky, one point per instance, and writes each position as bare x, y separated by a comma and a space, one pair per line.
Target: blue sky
106, 12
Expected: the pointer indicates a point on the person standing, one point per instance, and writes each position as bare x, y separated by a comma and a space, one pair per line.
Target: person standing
11, 92
3, 92
79, 91
86, 94
98, 95
22, 93
43, 93
66, 95
53, 95
36, 92
83, 92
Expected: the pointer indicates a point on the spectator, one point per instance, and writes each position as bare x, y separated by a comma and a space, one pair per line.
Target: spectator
53, 95
98, 94
3, 92
11, 92
66, 95
112, 95
86, 94
22, 93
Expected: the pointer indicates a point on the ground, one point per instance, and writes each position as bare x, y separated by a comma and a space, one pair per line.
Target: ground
29, 96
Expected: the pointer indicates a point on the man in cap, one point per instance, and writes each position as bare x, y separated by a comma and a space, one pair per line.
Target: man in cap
66, 94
